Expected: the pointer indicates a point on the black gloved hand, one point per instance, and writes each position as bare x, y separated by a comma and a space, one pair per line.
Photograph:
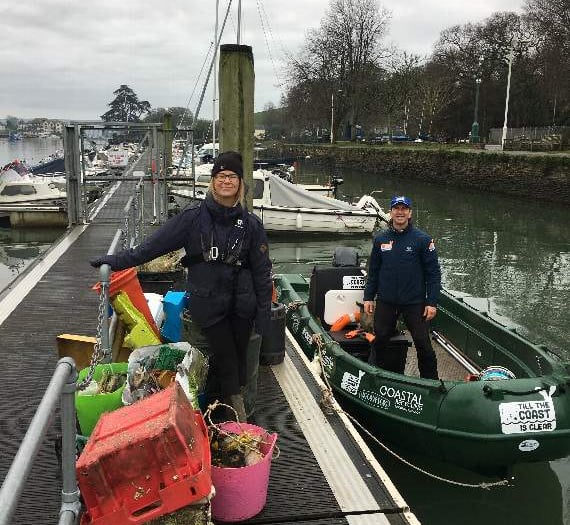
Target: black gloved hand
261, 323
100, 261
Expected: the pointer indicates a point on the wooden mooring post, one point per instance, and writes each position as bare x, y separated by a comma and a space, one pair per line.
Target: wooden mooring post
237, 79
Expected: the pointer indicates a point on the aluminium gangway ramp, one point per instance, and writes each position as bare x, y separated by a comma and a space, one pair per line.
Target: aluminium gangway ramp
324, 474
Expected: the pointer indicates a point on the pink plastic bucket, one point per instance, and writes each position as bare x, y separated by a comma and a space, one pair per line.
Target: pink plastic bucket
241, 492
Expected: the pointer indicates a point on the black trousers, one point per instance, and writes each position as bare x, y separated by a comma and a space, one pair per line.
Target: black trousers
385, 317
228, 341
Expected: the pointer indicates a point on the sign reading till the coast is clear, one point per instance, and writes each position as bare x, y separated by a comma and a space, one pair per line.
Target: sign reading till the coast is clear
528, 416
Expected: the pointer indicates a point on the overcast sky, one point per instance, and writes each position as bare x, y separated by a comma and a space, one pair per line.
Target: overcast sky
64, 58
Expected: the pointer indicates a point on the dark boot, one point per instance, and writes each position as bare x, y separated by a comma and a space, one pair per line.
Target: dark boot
236, 401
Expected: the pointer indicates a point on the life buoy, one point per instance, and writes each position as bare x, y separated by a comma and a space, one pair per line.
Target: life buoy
344, 320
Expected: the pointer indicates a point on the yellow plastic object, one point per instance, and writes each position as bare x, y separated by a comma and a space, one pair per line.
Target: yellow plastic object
140, 332
139, 336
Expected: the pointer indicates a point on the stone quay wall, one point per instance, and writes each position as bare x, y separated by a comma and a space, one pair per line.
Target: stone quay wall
542, 177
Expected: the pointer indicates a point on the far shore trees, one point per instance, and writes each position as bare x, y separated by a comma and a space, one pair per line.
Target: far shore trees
397, 92
339, 63
126, 106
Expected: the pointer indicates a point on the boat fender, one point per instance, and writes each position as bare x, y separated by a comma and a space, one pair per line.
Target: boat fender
299, 221
360, 332
496, 373
344, 320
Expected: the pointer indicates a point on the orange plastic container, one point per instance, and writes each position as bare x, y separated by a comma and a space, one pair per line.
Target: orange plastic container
128, 282
144, 461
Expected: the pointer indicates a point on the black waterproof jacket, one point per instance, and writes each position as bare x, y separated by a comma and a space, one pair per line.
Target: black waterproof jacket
404, 268
216, 289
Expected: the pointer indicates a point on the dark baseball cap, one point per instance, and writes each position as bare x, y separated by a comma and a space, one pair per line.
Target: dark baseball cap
401, 199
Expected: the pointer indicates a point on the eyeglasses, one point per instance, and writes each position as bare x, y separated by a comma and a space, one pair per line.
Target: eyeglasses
232, 177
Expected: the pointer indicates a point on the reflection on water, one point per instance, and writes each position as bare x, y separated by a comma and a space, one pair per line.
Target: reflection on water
535, 495
19, 248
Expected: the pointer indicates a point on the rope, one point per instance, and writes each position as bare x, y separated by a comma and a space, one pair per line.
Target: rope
330, 402
233, 435
264, 20
294, 305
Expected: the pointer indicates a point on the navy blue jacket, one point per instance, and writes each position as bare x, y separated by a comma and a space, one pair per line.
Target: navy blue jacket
403, 268
216, 289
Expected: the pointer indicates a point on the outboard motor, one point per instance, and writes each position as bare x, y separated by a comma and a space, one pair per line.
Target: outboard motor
335, 182
345, 256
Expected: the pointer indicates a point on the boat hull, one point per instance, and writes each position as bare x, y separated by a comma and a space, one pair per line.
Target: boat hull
480, 425
277, 219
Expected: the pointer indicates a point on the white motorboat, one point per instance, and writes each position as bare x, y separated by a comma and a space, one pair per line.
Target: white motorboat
15, 171
28, 192
284, 207
207, 152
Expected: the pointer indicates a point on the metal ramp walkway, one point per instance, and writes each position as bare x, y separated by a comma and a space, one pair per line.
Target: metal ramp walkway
322, 476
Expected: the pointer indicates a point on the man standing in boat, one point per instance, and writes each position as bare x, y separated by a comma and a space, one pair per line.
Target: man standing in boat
404, 278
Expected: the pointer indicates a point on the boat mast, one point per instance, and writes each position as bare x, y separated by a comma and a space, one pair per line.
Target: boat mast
197, 112
215, 83
239, 23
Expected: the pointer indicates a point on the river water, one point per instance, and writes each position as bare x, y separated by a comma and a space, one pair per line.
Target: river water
20, 247
514, 254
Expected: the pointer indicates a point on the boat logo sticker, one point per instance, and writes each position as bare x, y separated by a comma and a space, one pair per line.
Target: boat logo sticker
306, 335
295, 322
528, 445
353, 282
328, 363
519, 417
350, 382
404, 400
374, 399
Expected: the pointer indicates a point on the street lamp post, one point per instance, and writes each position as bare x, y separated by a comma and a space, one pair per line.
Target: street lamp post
475, 126
510, 57
332, 117
332, 114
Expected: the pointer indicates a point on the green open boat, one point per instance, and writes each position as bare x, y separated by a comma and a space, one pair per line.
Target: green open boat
482, 425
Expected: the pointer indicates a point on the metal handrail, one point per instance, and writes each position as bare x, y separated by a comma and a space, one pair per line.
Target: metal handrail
62, 385
127, 238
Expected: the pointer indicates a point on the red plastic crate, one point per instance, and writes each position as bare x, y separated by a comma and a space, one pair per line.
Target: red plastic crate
145, 460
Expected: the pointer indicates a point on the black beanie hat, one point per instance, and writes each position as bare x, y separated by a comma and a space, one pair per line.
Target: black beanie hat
228, 160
